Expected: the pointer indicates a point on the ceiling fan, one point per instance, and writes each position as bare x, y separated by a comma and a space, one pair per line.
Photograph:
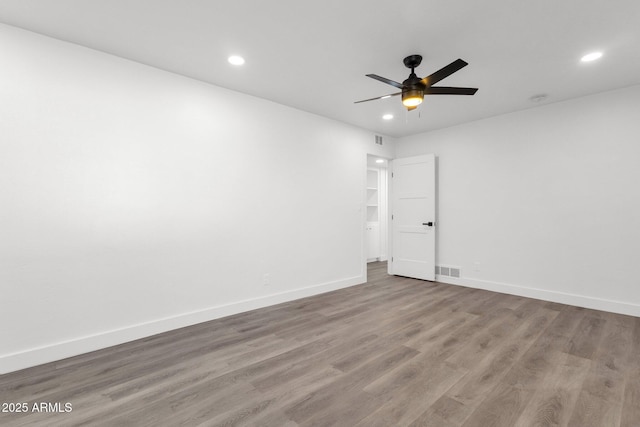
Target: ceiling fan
414, 88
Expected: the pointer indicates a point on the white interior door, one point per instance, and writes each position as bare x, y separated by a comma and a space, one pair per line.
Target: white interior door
413, 245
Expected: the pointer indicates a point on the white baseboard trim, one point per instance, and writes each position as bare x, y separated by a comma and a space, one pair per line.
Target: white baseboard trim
62, 350
546, 295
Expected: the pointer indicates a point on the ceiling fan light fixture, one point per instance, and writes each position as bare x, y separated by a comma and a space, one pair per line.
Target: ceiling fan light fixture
412, 97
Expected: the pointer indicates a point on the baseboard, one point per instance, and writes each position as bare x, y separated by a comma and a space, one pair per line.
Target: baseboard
62, 350
546, 295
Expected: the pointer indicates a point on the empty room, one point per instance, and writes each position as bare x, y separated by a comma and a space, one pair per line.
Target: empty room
292, 213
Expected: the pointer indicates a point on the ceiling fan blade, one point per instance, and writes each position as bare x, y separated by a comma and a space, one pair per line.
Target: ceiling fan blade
444, 72
442, 90
385, 80
379, 97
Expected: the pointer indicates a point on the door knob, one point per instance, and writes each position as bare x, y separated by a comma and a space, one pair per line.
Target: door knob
428, 224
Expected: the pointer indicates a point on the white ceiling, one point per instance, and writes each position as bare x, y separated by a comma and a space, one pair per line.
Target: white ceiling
314, 55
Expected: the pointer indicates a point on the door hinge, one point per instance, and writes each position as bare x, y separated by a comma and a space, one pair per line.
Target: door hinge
391, 259
391, 174
392, 217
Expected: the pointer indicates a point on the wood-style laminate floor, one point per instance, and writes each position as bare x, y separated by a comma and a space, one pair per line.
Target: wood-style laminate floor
391, 352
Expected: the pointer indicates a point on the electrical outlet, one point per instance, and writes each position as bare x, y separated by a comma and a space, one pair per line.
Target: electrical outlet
266, 279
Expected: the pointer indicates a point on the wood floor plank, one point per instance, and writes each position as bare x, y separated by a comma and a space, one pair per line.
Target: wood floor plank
286, 374
502, 407
357, 356
409, 390
432, 420
327, 402
484, 342
267, 408
630, 413
553, 403
591, 411
391, 352
587, 337
545, 352
446, 409
456, 340
631, 400
471, 390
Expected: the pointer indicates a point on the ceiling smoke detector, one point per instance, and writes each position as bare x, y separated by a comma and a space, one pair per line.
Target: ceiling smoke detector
538, 98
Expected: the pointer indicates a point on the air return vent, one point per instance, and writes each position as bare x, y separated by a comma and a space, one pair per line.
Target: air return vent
448, 270
378, 140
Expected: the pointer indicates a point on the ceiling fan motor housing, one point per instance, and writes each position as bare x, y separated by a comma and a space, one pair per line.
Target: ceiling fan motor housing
412, 61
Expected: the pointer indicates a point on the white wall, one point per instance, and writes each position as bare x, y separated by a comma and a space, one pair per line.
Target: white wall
546, 200
133, 201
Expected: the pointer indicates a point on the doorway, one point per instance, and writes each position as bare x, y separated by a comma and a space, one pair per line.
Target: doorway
377, 202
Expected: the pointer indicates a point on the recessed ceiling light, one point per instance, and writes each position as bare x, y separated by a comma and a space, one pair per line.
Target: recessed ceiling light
379, 161
591, 56
388, 116
236, 60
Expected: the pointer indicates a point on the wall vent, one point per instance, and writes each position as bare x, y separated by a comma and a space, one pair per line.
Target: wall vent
448, 271
378, 140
